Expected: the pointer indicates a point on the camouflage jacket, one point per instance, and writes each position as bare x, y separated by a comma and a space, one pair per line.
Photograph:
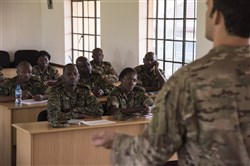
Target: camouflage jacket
202, 113
106, 70
136, 98
96, 82
33, 86
50, 73
146, 79
80, 101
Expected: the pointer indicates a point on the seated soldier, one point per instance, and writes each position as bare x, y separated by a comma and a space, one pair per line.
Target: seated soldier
71, 100
99, 85
102, 67
149, 75
128, 100
43, 71
31, 87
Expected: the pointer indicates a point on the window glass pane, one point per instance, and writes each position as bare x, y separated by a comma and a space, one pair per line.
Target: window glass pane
170, 9
98, 9
169, 50
161, 10
77, 25
151, 28
160, 49
189, 49
179, 5
151, 45
77, 40
169, 29
160, 29
91, 26
89, 8
178, 30
98, 26
86, 42
161, 63
91, 42
178, 51
152, 9
190, 12
77, 9
190, 30
98, 42
88, 55
168, 69
176, 67
86, 25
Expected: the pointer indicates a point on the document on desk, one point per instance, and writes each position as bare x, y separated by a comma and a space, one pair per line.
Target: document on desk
32, 102
90, 122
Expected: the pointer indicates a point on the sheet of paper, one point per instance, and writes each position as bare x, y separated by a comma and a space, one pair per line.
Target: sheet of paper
91, 122
32, 101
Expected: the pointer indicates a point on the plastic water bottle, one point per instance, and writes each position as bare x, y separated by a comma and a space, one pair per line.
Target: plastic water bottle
18, 95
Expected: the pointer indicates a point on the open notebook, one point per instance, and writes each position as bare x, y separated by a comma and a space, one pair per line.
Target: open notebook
32, 101
90, 122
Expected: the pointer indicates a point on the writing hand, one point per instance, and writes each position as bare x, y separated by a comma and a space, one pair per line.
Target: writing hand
38, 97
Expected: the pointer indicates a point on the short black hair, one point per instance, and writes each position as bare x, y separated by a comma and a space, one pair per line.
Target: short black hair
43, 53
96, 49
125, 72
68, 65
236, 14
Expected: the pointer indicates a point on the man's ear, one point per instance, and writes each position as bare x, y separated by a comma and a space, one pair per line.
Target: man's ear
217, 17
143, 60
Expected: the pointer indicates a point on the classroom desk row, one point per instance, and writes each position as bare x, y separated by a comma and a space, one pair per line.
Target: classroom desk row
10, 114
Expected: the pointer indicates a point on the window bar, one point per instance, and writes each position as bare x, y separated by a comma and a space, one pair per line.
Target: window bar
164, 33
184, 32
156, 27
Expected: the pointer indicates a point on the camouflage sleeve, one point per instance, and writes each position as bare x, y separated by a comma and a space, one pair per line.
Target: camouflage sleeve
89, 105
112, 101
160, 139
35, 74
163, 73
54, 73
55, 116
147, 99
7, 88
111, 70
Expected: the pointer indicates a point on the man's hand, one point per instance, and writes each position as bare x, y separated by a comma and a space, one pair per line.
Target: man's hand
103, 139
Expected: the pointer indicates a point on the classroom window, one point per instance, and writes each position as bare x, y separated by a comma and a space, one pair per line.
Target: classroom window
171, 32
85, 27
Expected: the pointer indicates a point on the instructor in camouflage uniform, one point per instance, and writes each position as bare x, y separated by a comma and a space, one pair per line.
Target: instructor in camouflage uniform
203, 111
128, 100
71, 100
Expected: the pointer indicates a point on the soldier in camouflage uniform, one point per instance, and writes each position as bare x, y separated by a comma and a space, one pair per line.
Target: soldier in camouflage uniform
29, 85
102, 67
128, 100
99, 85
43, 71
203, 111
71, 100
149, 75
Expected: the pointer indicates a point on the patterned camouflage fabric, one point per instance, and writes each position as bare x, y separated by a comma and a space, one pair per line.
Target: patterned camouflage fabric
105, 69
202, 113
136, 98
50, 74
33, 86
1, 75
146, 79
81, 101
97, 82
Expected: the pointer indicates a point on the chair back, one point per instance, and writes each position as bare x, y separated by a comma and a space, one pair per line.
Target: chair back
4, 59
25, 55
42, 116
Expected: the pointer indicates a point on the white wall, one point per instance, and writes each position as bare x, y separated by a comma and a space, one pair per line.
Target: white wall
31, 25
120, 32
20, 25
203, 45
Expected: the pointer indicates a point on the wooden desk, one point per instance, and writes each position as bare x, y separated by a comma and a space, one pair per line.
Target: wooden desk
10, 114
39, 144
